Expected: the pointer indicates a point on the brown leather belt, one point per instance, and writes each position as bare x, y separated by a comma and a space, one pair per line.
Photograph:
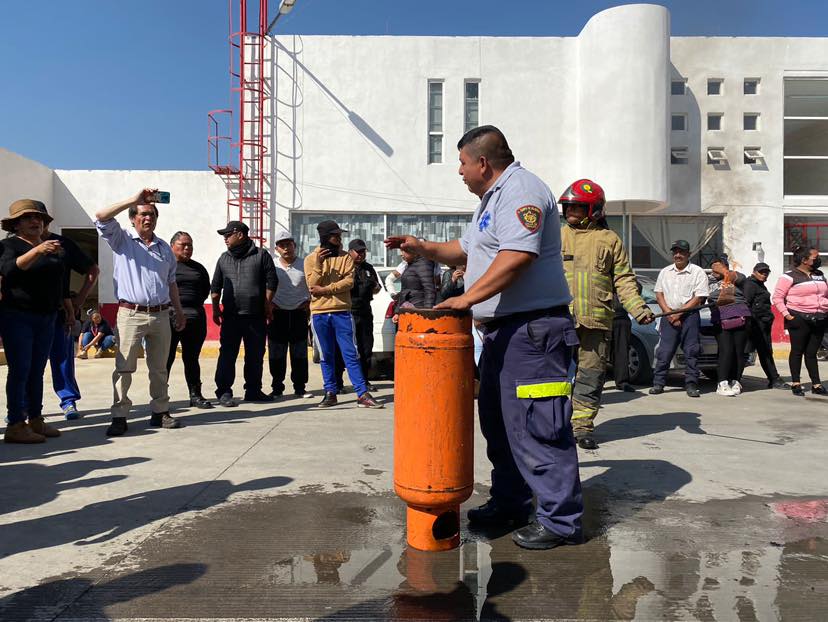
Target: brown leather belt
142, 308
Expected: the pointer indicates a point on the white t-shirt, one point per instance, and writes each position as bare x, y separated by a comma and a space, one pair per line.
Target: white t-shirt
680, 286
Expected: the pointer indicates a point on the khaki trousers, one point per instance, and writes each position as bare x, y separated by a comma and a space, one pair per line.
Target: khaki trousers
593, 356
135, 330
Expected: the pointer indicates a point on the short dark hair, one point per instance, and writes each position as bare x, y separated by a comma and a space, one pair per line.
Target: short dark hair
801, 253
177, 235
133, 210
487, 141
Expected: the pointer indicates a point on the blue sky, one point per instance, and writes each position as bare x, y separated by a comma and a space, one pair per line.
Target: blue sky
126, 84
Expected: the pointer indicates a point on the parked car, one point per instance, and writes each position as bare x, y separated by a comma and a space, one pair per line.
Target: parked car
644, 343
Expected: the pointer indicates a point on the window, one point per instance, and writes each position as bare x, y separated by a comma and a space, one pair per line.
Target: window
806, 231
678, 87
753, 154
716, 155
374, 228
805, 170
434, 227
751, 86
714, 121
471, 105
678, 155
751, 121
652, 237
678, 122
435, 122
714, 86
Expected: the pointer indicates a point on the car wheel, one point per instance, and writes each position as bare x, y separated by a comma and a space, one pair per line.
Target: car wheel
641, 372
711, 374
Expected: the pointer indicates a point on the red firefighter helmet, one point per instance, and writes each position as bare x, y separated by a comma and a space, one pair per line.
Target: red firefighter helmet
587, 193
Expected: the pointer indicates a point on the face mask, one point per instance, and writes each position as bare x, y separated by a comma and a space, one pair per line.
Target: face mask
816, 263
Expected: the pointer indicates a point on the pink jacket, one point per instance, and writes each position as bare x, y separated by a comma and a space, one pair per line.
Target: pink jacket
797, 291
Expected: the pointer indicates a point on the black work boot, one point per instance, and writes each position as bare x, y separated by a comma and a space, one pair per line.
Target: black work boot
164, 420
328, 401
586, 441
492, 514
197, 399
536, 536
692, 389
118, 427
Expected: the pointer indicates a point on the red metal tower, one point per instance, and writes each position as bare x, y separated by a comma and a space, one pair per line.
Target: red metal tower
245, 182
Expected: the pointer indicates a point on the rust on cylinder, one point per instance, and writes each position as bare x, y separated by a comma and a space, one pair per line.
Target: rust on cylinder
433, 423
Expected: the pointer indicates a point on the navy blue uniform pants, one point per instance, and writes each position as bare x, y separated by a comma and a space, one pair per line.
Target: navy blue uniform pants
526, 374
670, 338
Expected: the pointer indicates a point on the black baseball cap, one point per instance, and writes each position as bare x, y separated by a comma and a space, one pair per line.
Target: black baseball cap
357, 245
329, 227
682, 245
722, 259
762, 267
234, 225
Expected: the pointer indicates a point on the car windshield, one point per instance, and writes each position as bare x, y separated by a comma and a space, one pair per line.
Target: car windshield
647, 289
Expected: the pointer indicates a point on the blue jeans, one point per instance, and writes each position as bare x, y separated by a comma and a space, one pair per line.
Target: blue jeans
670, 337
27, 339
62, 361
104, 344
337, 329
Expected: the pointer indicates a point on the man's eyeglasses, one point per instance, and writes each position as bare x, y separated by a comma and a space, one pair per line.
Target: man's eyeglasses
230, 235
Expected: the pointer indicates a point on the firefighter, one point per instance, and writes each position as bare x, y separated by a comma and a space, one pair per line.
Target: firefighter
596, 266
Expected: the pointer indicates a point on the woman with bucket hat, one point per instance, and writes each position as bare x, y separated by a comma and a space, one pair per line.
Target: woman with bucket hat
32, 292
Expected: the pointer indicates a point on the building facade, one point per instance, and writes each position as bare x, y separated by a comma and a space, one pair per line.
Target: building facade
718, 140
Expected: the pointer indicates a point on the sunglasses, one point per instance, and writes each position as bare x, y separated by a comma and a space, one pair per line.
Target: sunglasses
229, 235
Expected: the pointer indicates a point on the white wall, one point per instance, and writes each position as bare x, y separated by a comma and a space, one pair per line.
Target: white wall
21, 178
751, 198
351, 113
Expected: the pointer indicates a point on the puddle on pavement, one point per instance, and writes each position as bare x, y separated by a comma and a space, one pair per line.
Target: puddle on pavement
343, 556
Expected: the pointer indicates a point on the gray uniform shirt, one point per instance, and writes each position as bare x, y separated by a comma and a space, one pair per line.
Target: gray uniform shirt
517, 213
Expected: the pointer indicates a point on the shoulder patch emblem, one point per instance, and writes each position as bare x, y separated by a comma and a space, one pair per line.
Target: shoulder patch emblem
530, 217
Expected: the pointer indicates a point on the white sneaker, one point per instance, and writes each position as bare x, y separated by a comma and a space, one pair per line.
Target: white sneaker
724, 389
736, 387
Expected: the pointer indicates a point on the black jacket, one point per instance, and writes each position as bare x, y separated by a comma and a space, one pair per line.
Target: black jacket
362, 293
449, 288
243, 281
758, 298
417, 284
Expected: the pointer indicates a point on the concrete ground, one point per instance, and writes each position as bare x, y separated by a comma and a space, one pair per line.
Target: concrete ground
696, 509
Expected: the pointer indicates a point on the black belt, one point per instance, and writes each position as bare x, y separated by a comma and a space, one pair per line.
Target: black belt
142, 308
523, 316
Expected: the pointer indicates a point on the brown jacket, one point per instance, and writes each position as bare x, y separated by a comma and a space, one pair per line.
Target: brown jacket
336, 275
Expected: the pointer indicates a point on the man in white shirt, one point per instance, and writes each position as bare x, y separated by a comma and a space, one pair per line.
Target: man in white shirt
288, 330
680, 286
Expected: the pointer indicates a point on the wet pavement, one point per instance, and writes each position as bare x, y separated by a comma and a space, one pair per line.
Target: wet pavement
693, 512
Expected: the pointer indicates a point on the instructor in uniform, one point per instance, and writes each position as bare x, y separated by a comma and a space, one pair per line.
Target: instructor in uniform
517, 291
596, 266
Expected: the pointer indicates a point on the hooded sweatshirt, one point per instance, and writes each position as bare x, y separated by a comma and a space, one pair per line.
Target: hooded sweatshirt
336, 276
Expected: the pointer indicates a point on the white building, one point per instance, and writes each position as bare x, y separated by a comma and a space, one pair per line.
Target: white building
718, 140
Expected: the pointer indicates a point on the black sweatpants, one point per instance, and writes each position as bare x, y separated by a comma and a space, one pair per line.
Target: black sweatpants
364, 335
621, 334
234, 329
760, 337
288, 333
732, 344
806, 337
191, 340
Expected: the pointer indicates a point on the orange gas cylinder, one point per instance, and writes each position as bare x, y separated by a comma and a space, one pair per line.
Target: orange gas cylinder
434, 423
